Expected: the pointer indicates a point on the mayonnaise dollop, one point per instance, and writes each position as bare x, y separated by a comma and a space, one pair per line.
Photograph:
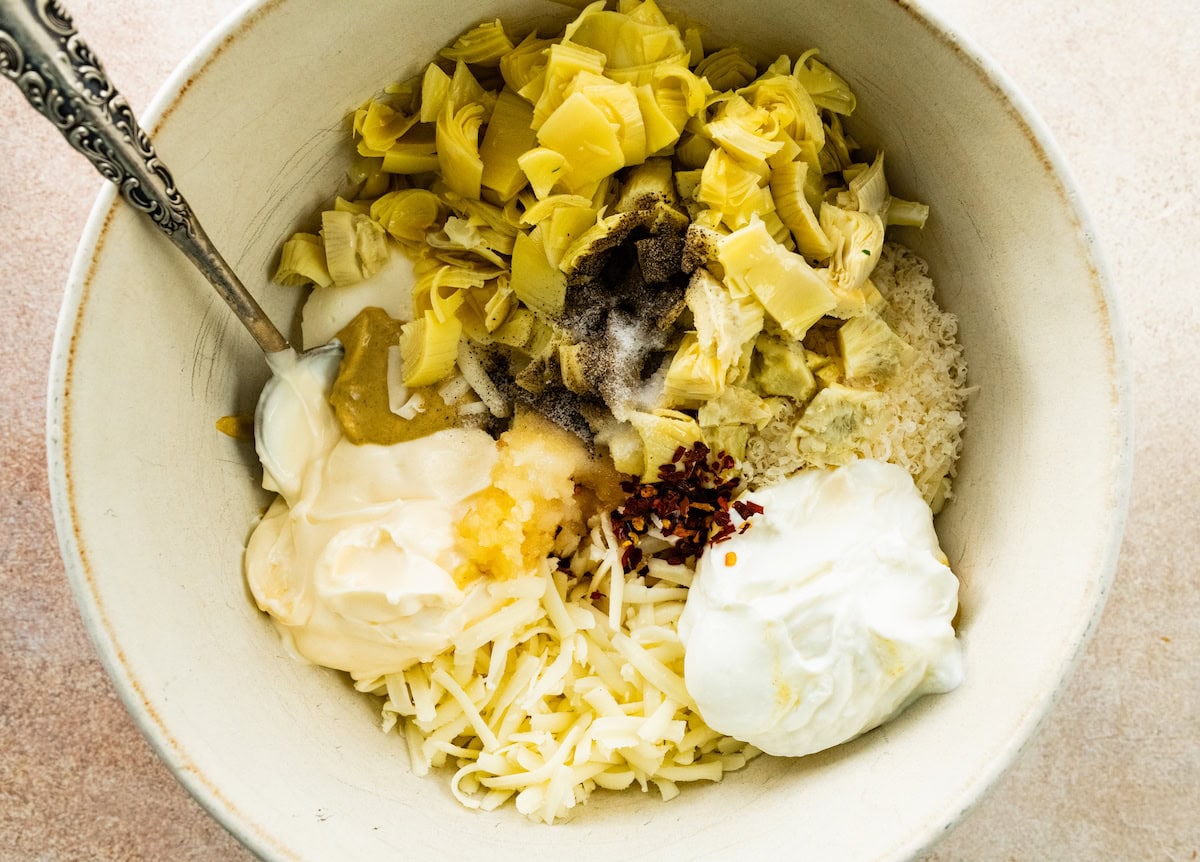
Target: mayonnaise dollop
827, 617
355, 561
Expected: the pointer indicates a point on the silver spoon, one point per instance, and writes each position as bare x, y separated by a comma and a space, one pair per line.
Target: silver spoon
41, 52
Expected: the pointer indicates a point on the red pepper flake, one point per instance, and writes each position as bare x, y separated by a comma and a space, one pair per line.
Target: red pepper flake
691, 500
596, 595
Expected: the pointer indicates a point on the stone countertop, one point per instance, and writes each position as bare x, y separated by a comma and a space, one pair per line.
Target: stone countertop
1114, 772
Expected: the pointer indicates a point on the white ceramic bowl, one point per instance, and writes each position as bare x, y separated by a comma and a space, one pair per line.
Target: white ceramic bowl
153, 505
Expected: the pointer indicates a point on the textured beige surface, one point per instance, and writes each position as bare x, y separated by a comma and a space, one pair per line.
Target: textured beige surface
1115, 770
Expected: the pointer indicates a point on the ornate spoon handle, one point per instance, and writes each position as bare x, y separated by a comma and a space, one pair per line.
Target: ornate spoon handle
41, 52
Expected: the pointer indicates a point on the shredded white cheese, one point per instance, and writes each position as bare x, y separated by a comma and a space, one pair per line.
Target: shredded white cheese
548, 699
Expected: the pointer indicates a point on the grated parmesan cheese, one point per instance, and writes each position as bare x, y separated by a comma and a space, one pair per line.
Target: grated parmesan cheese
918, 420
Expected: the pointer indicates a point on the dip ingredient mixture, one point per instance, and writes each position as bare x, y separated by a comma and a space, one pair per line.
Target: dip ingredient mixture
629, 468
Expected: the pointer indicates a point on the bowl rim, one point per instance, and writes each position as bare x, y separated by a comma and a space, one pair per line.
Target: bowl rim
171, 751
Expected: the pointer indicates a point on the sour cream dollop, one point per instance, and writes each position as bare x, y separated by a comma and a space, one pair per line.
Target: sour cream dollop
355, 561
827, 617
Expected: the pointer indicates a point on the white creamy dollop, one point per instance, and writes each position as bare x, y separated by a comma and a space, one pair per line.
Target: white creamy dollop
355, 561
827, 617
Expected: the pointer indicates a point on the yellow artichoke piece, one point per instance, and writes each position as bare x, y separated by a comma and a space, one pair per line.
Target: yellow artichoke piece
545, 168
735, 406
360, 207
458, 148
499, 305
662, 433
661, 133
624, 447
581, 132
838, 422
355, 246
693, 150
458, 234
521, 65
435, 90
728, 439
571, 365
679, 92
382, 126
868, 191
566, 225
647, 184
694, 375
509, 134
828, 89
732, 190
619, 102
564, 61
415, 153
787, 188
367, 176
517, 330
726, 69
835, 156
747, 133
906, 213
858, 241
780, 367
724, 322
788, 288
871, 350
466, 90
632, 43
537, 283
781, 96
428, 349
302, 262
484, 45
407, 214
545, 208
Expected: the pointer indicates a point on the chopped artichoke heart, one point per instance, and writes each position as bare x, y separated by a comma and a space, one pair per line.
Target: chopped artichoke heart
787, 189
435, 88
537, 283
730, 189
646, 184
458, 148
858, 239
541, 211
747, 133
520, 65
726, 69
619, 102
302, 261
484, 45
724, 322
730, 439
498, 306
781, 96
465, 90
355, 246
382, 125
428, 349
628, 43
414, 153
508, 135
735, 406
694, 375
789, 289
582, 133
517, 330
564, 61
838, 422
662, 432
827, 89
545, 168
871, 349
781, 367
680, 93
661, 133
566, 225
869, 189
571, 365
906, 213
